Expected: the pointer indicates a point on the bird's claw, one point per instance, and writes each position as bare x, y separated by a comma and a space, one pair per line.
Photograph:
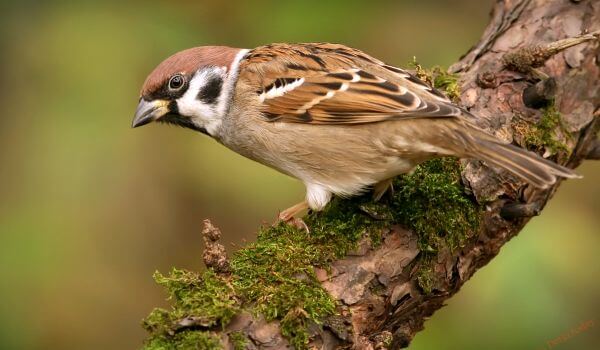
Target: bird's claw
294, 222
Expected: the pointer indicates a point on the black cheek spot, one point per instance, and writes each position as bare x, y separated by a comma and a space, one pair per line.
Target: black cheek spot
210, 92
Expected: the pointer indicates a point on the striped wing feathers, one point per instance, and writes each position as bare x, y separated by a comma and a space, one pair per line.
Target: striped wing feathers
333, 84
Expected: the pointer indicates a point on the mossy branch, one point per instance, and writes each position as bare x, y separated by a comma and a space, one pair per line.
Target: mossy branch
368, 274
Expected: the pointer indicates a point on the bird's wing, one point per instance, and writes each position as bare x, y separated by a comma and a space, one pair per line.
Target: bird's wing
334, 84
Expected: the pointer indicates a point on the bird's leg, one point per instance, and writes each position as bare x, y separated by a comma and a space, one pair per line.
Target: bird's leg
290, 212
287, 215
382, 187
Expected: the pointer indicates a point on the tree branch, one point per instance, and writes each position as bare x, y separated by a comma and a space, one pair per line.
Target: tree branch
368, 275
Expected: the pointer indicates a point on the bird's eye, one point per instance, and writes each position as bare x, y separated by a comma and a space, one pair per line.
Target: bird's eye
176, 82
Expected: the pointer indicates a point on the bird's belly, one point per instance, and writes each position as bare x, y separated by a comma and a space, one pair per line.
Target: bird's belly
341, 161
354, 179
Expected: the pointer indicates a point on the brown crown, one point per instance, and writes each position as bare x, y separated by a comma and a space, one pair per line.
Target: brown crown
186, 62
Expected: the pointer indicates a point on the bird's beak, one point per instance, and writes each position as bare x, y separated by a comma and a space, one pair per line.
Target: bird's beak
148, 112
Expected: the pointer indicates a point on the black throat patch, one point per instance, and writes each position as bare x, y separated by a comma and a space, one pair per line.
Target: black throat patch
176, 119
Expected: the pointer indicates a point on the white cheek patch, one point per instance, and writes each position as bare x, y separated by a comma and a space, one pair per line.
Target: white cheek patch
209, 116
202, 114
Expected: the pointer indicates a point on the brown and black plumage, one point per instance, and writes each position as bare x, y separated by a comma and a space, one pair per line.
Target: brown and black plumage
334, 117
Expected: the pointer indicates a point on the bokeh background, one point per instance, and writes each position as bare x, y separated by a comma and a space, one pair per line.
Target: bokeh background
90, 208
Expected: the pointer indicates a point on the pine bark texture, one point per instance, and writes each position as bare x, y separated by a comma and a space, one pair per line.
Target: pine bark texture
382, 303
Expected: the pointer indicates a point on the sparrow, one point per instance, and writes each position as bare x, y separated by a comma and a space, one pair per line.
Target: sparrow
333, 117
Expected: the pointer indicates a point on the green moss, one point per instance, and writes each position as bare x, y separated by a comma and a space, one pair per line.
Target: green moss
275, 275
206, 300
547, 132
431, 201
294, 326
425, 274
439, 78
239, 340
187, 340
345, 221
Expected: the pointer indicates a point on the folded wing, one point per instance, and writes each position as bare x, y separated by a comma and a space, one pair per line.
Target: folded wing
332, 84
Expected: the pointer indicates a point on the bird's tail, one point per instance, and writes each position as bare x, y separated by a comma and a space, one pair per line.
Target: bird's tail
527, 165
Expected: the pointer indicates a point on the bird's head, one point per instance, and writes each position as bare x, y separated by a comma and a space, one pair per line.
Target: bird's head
192, 89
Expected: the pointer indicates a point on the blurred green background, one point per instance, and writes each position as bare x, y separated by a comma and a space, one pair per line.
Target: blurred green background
90, 208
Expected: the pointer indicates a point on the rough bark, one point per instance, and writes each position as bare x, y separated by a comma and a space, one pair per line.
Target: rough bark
382, 304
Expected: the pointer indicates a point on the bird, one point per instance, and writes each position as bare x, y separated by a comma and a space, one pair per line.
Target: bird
334, 117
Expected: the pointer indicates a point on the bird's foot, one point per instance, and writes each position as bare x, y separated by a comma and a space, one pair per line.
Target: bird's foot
297, 223
288, 216
383, 187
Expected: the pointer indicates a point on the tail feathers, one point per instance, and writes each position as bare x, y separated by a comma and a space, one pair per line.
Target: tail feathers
527, 165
